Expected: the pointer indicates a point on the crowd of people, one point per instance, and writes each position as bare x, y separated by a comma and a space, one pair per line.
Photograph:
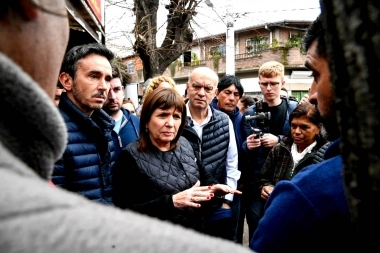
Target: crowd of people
173, 175
195, 160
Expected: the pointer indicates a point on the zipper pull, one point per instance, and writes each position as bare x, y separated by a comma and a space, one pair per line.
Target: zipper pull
120, 144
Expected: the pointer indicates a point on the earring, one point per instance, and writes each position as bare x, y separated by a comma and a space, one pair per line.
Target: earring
146, 129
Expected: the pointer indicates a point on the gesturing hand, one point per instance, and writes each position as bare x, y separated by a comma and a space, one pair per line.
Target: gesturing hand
222, 189
191, 197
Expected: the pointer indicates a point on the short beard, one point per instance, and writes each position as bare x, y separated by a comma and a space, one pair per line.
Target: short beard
110, 112
331, 128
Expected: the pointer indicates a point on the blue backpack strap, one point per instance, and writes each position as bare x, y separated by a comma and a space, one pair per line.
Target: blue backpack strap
136, 125
291, 105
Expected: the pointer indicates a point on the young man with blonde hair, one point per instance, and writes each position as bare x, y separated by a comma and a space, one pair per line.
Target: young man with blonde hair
273, 128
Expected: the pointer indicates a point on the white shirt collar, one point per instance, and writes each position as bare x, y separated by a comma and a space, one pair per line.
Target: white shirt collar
196, 126
298, 156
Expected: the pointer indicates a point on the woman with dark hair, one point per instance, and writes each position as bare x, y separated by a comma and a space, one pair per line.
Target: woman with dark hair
159, 174
244, 102
296, 150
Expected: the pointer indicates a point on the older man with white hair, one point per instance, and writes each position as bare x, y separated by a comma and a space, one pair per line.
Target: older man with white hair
212, 136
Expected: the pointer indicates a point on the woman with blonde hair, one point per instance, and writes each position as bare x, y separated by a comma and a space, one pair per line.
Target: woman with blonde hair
158, 81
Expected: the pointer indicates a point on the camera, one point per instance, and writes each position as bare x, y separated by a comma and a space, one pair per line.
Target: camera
262, 117
257, 131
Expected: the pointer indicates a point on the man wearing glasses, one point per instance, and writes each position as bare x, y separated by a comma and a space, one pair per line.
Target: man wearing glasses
212, 137
271, 80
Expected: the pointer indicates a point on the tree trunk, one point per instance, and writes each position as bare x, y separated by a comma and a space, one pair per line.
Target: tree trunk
178, 37
353, 44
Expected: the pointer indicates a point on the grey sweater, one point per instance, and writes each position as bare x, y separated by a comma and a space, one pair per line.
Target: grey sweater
36, 217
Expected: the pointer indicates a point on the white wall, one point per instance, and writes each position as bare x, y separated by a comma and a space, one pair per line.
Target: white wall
250, 84
181, 88
130, 91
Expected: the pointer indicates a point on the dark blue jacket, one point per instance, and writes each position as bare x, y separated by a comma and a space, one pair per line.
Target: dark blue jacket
129, 131
236, 118
307, 213
87, 163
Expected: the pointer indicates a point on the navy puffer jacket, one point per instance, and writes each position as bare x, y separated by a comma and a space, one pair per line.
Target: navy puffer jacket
129, 131
86, 165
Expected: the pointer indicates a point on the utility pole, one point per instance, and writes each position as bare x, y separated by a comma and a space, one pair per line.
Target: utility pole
230, 40
230, 46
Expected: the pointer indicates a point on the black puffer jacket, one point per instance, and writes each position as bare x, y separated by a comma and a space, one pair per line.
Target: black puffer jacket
213, 147
146, 181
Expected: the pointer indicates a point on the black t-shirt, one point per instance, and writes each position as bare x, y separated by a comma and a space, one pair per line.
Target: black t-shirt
278, 116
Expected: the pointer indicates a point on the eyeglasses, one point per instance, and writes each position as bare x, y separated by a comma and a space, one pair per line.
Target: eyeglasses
197, 87
271, 84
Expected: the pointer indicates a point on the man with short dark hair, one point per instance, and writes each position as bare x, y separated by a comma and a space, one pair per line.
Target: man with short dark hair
308, 212
58, 93
127, 125
86, 165
228, 93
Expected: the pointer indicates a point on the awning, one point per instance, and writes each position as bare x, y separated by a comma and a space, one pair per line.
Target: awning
82, 17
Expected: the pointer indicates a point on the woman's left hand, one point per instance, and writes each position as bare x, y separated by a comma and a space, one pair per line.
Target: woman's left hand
222, 189
266, 191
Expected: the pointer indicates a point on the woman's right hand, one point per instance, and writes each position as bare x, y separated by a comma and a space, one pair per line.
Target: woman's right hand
191, 197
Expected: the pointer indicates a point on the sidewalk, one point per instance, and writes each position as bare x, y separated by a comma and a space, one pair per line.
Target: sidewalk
245, 235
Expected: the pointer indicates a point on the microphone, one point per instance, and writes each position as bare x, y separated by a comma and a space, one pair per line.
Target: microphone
259, 116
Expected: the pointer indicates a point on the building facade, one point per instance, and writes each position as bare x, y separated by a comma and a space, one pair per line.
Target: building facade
278, 41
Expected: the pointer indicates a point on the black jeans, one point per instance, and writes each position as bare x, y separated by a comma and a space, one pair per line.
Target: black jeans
235, 209
251, 209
